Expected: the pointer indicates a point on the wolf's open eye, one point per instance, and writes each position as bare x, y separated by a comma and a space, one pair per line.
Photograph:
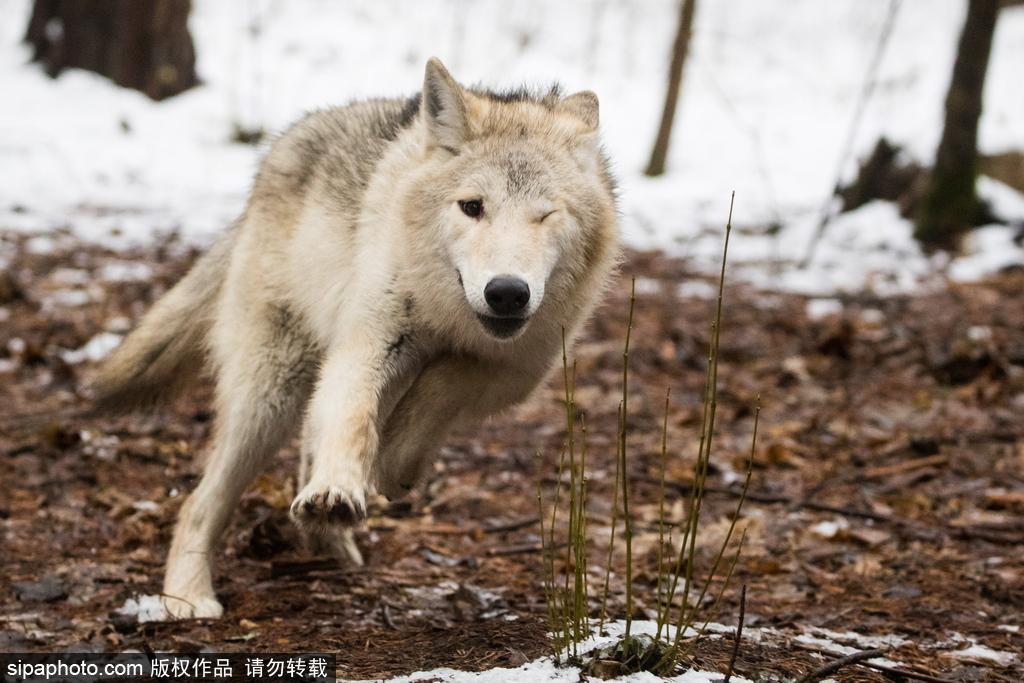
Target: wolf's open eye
474, 208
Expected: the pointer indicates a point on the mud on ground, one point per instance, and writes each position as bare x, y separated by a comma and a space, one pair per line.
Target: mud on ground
887, 494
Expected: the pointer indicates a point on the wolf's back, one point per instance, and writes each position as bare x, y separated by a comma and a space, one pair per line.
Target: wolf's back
166, 350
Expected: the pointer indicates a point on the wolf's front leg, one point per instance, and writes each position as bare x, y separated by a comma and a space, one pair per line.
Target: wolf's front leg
338, 541
343, 437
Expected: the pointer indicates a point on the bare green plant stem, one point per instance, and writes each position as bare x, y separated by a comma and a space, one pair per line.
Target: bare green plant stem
661, 521
683, 545
672, 654
627, 526
611, 539
687, 620
571, 599
558, 606
569, 596
580, 541
706, 438
690, 617
547, 570
688, 545
713, 612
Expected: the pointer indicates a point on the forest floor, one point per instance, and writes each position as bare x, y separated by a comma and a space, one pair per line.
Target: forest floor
887, 497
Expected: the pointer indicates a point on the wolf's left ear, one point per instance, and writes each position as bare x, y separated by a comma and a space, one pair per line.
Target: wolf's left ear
584, 106
444, 107
586, 148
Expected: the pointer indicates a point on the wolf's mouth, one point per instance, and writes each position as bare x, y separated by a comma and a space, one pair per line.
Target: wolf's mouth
502, 328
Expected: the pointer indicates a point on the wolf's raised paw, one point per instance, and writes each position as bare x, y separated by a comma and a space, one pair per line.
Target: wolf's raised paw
318, 505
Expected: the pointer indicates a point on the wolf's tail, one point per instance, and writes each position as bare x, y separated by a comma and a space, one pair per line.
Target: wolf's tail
165, 352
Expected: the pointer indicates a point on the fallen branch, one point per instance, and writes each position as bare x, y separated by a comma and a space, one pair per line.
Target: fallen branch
907, 466
521, 549
836, 665
514, 525
906, 673
919, 530
300, 567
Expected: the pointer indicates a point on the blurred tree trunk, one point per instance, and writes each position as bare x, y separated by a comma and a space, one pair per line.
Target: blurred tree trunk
950, 204
140, 44
680, 49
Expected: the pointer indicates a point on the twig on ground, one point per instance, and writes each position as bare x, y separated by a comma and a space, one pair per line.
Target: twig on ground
906, 673
836, 665
739, 634
906, 466
385, 613
513, 525
520, 549
920, 530
300, 567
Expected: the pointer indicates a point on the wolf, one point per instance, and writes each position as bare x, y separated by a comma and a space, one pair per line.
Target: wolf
402, 266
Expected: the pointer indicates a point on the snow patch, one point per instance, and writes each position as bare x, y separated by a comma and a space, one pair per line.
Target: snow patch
646, 285
830, 529
987, 250
125, 271
697, 289
94, 350
983, 652
754, 116
863, 641
66, 298
71, 276
544, 670
144, 608
40, 245
822, 308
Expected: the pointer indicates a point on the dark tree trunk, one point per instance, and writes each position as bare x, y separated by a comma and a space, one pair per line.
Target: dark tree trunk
950, 205
680, 48
140, 44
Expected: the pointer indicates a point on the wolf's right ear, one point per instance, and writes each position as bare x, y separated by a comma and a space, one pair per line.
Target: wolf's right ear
444, 108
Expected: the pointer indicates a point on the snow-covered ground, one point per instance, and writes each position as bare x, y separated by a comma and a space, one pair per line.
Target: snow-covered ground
546, 670
148, 608
768, 96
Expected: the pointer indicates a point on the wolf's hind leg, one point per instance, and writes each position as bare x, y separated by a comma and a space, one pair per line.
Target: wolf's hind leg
261, 390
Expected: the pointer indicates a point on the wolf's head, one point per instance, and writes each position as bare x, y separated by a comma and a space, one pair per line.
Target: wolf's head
519, 196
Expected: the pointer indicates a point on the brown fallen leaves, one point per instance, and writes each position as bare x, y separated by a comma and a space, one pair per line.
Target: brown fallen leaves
887, 496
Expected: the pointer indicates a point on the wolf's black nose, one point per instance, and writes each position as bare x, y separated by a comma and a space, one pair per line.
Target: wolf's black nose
507, 296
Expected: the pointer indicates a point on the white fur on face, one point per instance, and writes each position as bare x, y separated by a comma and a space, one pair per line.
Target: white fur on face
522, 239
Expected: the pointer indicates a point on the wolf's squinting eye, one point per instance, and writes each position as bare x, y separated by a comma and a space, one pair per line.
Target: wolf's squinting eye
474, 208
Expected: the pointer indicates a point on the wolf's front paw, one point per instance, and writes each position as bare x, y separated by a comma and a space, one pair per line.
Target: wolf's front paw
319, 505
192, 608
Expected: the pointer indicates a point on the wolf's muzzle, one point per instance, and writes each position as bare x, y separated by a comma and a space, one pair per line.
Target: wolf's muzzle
502, 328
